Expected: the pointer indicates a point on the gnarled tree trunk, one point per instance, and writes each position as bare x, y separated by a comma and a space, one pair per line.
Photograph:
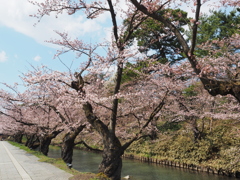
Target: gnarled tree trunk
45, 141
222, 87
18, 137
68, 145
111, 164
32, 141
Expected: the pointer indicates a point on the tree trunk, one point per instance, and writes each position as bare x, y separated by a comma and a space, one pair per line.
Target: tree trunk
67, 150
111, 164
28, 140
45, 141
18, 137
68, 145
32, 141
196, 132
218, 87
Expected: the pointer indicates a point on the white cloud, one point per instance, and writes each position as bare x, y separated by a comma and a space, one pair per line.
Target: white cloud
3, 56
206, 6
15, 14
37, 58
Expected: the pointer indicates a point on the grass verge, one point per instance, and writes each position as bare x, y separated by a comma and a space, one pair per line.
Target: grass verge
58, 162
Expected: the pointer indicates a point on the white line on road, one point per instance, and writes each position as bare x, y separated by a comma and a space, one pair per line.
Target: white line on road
20, 169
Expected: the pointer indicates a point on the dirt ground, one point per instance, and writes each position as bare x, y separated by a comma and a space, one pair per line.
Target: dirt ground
89, 176
83, 176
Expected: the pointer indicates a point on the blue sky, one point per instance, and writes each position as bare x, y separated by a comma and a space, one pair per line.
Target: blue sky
22, 44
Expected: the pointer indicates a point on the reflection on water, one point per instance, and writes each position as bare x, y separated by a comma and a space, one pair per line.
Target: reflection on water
88, 162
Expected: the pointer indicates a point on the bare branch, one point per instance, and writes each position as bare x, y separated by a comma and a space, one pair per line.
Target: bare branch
88, 147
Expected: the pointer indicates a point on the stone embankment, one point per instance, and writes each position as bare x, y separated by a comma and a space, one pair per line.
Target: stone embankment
184, 165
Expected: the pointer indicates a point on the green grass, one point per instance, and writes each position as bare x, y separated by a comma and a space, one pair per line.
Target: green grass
59, 163
21, 146
42, 158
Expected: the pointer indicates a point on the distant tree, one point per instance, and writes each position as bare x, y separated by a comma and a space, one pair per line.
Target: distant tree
195, 106
50, 90
156, 41
31, 118
217, 25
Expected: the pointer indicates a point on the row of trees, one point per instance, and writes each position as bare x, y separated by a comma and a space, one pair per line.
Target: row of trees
149, 81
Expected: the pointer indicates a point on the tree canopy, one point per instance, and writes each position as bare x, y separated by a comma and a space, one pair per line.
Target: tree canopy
124, 113
217, 25
155, 40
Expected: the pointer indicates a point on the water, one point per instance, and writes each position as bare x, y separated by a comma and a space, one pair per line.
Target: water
88, 162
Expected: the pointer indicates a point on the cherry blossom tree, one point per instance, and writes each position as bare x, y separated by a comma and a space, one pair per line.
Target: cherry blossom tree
12, 129
197, 107
11, 113
51, 90
105, 101
103, 98
25, 110
213, 84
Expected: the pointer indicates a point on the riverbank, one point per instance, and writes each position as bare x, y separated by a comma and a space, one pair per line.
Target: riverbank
86, 161
184, 165
216, 151
166, 162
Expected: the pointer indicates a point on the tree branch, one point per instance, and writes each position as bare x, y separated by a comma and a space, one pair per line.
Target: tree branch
155, 111
177, 33
57, 112
88, 147
21, 122
153, 114
101, 128
113, 15
195, 27
136, 138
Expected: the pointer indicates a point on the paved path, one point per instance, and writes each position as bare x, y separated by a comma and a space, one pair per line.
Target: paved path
16, 164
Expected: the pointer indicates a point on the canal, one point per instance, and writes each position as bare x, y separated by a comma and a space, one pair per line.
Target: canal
88, 162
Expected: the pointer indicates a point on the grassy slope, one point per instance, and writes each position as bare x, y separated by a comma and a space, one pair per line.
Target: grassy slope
218, 148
